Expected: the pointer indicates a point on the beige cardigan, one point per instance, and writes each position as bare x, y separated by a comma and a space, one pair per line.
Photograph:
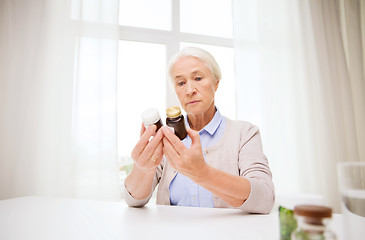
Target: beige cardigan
239, 152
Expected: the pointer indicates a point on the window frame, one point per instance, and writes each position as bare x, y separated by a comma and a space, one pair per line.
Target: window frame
171, 39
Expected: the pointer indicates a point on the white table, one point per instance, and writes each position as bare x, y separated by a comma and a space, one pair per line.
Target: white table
55, 218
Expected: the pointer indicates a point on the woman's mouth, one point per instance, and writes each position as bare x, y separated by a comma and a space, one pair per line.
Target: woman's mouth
193, 102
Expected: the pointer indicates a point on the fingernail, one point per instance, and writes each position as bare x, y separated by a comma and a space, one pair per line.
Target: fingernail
152, 127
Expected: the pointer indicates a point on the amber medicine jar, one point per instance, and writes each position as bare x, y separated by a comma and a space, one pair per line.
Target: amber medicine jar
176, 121
312, 223
151, 116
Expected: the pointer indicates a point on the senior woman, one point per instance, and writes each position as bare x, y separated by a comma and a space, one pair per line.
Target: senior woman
219, 164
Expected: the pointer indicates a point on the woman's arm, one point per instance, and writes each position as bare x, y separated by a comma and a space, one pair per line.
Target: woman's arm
147, 155
234, 190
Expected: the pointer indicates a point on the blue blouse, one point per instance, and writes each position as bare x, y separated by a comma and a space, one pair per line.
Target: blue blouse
185, 192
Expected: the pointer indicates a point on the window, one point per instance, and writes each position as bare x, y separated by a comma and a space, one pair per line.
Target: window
206, 17
145, 14
150, 33
138, 89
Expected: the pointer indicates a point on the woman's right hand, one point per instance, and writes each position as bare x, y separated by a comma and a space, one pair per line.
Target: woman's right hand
147, 154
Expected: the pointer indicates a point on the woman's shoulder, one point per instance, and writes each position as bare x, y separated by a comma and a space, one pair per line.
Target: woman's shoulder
236, 133
242, 130
242, 125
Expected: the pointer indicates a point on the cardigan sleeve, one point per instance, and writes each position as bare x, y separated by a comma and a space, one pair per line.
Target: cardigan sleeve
253, 165
131, 201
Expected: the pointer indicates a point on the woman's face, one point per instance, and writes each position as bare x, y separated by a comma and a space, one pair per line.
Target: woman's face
194, 85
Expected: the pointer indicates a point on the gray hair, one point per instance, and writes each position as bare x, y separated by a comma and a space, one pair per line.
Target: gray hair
199, 53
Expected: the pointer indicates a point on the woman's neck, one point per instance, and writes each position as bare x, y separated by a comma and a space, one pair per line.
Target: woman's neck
198, 121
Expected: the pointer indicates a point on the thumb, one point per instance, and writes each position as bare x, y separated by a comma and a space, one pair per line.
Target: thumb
194, 135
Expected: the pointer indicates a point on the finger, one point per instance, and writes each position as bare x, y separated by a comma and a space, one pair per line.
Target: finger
150, 148
143, 141
143, 129
170, 151
157, 154
195, 138
174, 140
159, 150
167, 154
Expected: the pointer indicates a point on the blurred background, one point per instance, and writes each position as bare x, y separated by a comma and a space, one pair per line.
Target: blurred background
75, 75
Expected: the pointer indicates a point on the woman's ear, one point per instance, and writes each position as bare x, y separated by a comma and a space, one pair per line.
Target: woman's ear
216, 84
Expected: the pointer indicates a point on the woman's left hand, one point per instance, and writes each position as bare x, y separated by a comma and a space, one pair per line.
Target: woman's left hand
187, 161
190, 162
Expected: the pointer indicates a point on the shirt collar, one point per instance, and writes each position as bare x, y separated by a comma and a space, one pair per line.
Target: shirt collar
213, 125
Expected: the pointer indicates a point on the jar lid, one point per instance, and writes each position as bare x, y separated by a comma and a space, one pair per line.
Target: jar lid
313, 211
150, 116
173, 111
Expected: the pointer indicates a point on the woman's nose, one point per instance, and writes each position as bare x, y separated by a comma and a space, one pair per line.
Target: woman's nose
190, 88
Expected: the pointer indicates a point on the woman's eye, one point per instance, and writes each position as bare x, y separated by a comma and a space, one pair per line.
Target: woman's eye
180, 83
198, 78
